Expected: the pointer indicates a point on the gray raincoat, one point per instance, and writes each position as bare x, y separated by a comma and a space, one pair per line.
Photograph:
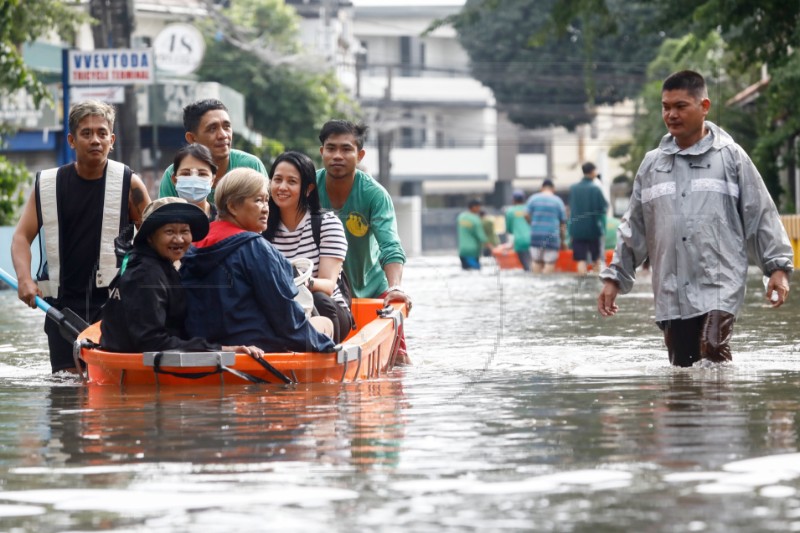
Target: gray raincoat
698, 213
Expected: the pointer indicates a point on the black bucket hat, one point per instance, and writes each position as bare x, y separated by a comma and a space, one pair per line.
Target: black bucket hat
170, 210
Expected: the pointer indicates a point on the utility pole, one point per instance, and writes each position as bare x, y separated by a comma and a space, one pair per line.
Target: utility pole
386, 133
116, 22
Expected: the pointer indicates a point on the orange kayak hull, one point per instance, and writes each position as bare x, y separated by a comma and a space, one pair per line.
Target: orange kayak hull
370, 348
508, 260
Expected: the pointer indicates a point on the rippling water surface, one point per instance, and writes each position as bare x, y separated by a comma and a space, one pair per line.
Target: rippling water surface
524, 411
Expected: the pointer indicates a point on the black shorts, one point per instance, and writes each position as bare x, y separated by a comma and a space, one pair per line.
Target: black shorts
586, 250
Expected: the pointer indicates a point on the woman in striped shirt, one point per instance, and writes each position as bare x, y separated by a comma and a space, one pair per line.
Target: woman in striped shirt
293, 209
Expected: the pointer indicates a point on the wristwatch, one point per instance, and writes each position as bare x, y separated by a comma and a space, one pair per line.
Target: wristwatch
395, 288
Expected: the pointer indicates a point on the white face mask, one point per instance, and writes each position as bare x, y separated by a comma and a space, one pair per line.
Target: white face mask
193, 188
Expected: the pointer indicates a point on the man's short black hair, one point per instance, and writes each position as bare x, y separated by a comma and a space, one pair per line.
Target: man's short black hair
588, 168
687, 80
344, 127
193, 113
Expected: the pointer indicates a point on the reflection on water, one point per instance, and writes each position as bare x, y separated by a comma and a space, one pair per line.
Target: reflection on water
524, 412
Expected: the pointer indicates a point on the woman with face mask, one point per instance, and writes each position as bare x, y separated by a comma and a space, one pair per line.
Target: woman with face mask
194, 172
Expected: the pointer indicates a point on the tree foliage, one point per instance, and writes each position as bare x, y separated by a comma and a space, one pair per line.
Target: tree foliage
257, 51
11, 197
755, 32
550, 62
23, 21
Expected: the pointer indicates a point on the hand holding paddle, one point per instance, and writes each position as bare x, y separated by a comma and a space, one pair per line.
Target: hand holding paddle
70, 325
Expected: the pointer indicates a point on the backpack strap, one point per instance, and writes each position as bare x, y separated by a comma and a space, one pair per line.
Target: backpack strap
316, 228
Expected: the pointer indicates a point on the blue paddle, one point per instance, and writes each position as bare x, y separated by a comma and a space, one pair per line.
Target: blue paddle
70, 325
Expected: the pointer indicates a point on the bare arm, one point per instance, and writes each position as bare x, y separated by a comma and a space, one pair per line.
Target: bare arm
328, 274
27, 228
138, 199
394, 275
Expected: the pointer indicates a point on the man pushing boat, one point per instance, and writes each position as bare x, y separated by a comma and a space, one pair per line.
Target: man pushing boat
77, 210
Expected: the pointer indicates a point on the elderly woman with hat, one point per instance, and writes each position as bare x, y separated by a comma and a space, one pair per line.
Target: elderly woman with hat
146, 308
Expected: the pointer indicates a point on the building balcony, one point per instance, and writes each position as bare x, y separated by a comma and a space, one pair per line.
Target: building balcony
443, 91
437, 164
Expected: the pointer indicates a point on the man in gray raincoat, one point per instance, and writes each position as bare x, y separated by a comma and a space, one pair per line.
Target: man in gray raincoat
699, 207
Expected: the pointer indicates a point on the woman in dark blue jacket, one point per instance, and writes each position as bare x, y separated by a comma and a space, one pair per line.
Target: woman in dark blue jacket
239, 287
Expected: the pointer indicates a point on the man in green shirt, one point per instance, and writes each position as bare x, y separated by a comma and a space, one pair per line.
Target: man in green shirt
207, 122
375, 256
519, 228
471, 236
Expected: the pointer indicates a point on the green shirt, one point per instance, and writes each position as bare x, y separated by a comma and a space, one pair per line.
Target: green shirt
238, 159
612, 223
518, 227
471, 236
371, 230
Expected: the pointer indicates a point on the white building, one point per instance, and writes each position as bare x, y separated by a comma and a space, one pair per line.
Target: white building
448, 139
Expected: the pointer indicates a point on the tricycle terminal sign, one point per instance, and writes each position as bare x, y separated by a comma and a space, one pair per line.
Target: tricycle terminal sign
116, 66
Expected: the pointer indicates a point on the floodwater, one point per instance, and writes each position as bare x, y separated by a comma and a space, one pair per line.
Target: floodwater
524, 411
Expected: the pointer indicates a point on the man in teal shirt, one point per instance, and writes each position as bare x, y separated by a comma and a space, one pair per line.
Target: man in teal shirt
207, 122
471, 236
587, 220
520, 230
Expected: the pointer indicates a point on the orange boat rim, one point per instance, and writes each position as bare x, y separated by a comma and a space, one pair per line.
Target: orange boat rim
369, 352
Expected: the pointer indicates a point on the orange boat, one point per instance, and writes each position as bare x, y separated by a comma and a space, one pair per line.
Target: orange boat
368, 352
508, 260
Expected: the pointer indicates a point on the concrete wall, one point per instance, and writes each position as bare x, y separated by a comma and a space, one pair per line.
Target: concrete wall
409, 223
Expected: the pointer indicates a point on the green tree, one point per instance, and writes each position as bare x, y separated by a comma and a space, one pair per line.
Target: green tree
756, 32
570, 57
11, 197
257, 51
23, 21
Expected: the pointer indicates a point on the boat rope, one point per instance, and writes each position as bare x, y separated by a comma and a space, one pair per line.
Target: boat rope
77, 347
197, 375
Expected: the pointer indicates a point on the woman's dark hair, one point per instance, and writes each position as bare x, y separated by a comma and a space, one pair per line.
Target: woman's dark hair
307, 201
198, 151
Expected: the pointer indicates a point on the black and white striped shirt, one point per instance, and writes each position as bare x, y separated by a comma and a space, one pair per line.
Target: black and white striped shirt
300, 243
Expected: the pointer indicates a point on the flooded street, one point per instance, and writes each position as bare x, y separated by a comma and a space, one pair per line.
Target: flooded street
524, 411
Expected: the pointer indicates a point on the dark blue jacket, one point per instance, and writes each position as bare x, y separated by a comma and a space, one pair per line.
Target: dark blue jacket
240, 291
